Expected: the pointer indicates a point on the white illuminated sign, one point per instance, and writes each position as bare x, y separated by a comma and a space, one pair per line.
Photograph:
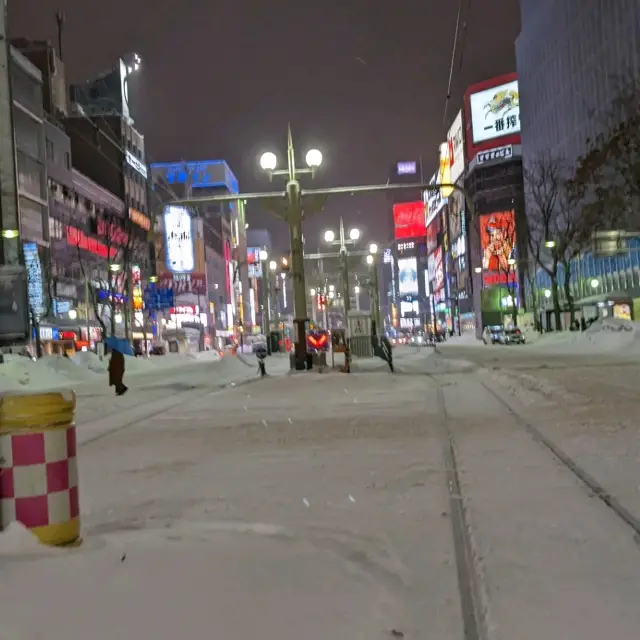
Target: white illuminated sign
499, 153
495, 112
180, 257
407, 276
455, 148
433, 200
138, 165
406, 246
407, 168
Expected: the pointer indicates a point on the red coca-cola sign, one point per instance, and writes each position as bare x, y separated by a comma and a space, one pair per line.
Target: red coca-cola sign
409, 220
181, 283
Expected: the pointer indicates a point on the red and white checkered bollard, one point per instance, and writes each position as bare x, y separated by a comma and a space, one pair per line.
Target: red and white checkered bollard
38, 465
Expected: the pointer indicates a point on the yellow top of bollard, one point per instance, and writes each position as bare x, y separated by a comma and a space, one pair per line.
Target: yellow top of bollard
38, 410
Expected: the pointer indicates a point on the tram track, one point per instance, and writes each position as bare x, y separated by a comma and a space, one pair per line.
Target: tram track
594, 488
470, 583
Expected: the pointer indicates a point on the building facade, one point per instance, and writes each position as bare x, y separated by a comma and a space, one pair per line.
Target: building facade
224, 230
569, 54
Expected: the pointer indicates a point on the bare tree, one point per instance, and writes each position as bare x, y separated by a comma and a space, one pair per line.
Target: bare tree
607, 178
558, 228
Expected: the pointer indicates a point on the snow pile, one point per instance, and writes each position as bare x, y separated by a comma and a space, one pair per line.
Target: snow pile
17, 541
50, 372
607, 335
204, 356
90, 360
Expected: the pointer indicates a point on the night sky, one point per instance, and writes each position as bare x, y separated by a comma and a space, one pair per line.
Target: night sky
363, 80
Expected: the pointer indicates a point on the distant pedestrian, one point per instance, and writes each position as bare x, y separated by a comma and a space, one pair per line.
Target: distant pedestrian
116, 373
387, 351
261, 353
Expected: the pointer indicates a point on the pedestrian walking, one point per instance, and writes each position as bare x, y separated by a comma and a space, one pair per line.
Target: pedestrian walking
261, 353
116, 373
387, 351
119, 348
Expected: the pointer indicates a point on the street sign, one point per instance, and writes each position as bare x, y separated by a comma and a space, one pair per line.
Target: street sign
156, 298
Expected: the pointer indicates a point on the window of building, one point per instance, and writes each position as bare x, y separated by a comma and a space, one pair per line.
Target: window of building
32, 219
50, 150
28, 134
67, 160
31, 176
26, 89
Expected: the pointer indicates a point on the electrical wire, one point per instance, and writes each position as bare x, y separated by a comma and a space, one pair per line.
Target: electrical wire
452, 65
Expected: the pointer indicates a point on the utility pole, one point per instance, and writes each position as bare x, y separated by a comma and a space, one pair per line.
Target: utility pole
266, 319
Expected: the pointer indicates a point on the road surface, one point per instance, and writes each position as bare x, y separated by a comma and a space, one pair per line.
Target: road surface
425, 504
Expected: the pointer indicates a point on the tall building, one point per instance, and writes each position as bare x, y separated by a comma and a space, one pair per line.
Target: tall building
108, 149
569, 54
14, 307
224, 232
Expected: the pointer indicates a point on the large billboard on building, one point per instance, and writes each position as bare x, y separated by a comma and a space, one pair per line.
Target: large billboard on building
492, 114
254, 266
407, 276
409, 220
455, 148
433, 200
498, 246
444, 170
179, 249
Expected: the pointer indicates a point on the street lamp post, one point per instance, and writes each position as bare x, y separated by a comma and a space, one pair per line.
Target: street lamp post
375, 299
266, 320
342, 242
293, 215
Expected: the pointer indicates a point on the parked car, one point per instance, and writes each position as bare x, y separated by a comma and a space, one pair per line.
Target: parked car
492, 334
513, 336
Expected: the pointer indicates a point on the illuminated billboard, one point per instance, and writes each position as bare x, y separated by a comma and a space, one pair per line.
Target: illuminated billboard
495, 112
409, 220
444, 172
433, 200
498, 246
407, 276
492, 115
254, 266
455, 149
179, 251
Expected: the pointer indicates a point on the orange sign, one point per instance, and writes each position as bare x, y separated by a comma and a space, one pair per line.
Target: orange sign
139, 218
444, 173
498, 244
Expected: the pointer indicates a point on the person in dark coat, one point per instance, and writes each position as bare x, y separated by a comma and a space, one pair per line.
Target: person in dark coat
387, 352
116, 373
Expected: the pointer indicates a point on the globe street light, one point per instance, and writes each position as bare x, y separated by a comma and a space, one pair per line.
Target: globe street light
329, 235
263, 255
313, 158
370, 259
312, 292
273, 265
373, 248
595, 283
354, 234
268, 161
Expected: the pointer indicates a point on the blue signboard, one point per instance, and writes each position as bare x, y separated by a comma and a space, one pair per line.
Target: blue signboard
156, 298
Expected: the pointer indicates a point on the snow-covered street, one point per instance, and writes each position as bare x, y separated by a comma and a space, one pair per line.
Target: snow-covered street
425, 504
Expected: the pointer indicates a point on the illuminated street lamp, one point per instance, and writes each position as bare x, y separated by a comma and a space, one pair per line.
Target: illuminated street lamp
263, 255
511, 261
354, 234
547, 293
268, 161
313, 158
273, 265
550, 244
312, 292
370, 259
373, 248
329, 236
595, 283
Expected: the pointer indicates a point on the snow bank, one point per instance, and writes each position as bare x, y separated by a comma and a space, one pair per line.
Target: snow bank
50, 372
89, 360
607, 335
